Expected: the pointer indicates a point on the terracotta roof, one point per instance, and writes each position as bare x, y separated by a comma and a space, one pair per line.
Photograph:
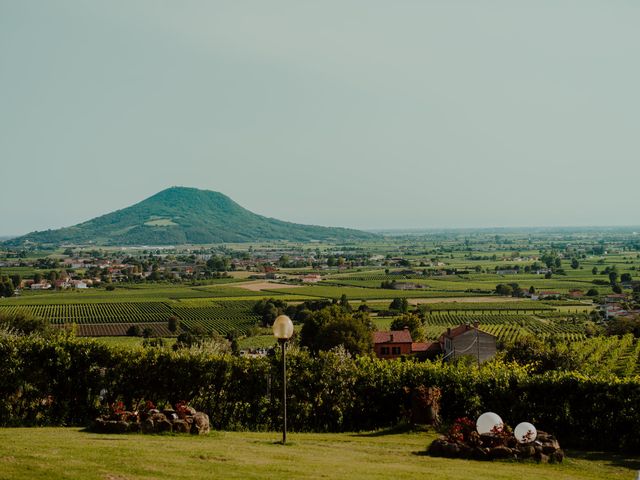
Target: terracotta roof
395, 336
460, 329
425, 347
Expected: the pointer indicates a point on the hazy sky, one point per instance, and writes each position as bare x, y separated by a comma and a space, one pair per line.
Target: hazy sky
350, 113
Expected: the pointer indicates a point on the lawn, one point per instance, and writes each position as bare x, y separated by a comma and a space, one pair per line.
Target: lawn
68, 453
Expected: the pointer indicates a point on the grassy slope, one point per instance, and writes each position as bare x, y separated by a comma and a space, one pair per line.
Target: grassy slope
66, 453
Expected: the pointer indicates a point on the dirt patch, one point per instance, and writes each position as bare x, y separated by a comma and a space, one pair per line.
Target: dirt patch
261, 285
416, 301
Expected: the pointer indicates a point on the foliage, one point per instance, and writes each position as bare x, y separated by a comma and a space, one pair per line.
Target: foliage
399, 305
461, 430
624, 325
335, 326
23, 323
58, 381
413, 322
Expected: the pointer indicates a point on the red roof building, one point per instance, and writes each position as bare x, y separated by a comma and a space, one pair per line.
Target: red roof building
393, 344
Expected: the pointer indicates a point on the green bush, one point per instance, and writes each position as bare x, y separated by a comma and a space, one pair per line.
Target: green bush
60, 381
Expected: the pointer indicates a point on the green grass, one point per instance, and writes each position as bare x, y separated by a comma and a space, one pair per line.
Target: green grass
359, 293
67, 453
257, 341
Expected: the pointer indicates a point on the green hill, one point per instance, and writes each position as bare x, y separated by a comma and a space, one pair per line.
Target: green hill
180, 215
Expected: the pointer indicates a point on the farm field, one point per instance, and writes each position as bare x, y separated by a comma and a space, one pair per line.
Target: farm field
69, 453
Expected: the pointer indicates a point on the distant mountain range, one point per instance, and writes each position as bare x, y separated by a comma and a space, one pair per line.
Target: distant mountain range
181, 215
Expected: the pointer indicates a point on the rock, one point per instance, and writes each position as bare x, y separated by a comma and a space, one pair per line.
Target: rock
489, 439
99, 425
121, 427
158, 417
170, 414
480, 453
500, 451
526, 451
181, 426
162, 426
147, 426
557, 456
550, 446
437, 446
541, 457
450, 450
474, 439
466, 451
200, 424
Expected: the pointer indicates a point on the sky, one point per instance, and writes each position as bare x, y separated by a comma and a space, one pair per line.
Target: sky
366, 114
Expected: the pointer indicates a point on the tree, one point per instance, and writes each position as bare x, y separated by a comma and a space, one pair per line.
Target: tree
269, 309
333, 326
147, 332
505, 290
575, 264
532, 290
6, 287
594, 271
218, 264
622, 325
592, 292
173, 324
412, 322
134, 331
24, 323
344, 303
16, 280
613, 277
284, 261
624, 278
399, 304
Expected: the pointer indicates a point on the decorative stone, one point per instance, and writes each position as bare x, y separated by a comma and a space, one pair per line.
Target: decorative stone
162, 426
200, 424
501, 451
181, 426
147, 426
526, 451
541, 457
557, 456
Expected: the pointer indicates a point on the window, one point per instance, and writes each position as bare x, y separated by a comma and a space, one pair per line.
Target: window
384, 351
395, 350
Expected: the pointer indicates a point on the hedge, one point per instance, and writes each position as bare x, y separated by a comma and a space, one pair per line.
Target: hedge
59, 382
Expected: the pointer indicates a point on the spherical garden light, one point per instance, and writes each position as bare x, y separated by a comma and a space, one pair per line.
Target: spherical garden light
487, 422
525, 432
282, 330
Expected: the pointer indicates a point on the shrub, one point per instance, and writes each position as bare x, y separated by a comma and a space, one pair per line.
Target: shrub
66, 381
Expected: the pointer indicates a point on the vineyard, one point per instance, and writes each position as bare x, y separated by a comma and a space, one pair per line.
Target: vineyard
523, 306
113, 319
508, 327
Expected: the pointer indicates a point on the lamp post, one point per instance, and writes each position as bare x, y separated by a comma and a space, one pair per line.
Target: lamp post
282, 330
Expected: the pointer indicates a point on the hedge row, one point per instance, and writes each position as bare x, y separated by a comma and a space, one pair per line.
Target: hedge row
59, 381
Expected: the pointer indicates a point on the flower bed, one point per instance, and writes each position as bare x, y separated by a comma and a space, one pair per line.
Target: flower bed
463, 441
148, 419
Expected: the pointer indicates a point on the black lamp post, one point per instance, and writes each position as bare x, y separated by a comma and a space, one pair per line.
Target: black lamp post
282, 330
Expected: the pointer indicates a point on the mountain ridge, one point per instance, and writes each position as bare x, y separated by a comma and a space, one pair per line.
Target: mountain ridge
184, 215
